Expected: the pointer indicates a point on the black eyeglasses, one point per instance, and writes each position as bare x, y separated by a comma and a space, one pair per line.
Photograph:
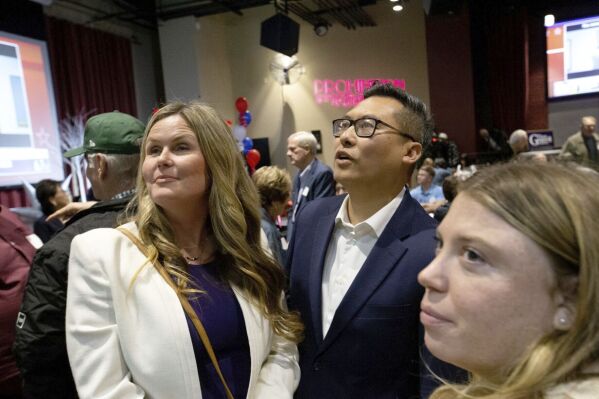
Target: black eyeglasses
364, 127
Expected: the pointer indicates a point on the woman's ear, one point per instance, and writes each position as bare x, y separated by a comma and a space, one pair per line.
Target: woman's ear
566, 295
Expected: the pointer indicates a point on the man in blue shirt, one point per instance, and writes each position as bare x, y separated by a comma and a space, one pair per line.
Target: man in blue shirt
426, 193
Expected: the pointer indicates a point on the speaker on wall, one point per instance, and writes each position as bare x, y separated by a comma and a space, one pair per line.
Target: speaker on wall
281, 34
441, 7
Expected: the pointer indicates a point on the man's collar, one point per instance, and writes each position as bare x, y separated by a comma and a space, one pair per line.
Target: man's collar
426, 189
378, 221
123, 194
307, 168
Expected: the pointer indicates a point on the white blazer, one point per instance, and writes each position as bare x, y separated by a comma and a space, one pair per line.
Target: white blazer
131, 340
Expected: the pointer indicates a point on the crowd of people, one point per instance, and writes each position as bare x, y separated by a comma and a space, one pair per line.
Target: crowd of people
183, 282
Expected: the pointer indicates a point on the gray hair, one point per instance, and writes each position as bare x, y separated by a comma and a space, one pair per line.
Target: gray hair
305, 140
518, 135
123, 168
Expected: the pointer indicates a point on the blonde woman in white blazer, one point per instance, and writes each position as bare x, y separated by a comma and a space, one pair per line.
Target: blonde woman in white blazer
196, 209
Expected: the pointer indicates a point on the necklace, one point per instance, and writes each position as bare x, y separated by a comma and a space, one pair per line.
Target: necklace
200, 245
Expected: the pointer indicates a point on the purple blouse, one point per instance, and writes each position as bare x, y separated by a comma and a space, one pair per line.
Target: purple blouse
223, 320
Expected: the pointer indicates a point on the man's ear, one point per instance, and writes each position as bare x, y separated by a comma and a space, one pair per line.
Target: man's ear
413, 152
101, 165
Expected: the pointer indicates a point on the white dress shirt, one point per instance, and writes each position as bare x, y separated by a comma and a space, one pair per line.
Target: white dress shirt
348, 249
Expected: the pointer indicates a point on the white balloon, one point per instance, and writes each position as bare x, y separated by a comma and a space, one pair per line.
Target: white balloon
239, 132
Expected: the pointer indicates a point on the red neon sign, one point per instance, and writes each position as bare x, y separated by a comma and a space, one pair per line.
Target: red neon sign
347, 92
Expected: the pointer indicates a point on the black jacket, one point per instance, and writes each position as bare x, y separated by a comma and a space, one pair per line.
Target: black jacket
40, 345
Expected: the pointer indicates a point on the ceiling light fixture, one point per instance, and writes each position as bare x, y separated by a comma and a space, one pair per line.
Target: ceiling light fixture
397, 8
321, 29
549, 20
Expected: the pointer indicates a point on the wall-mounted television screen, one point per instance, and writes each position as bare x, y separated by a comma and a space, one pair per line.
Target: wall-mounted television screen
29, 138
573, 57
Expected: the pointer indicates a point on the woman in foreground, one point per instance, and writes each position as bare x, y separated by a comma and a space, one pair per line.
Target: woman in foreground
191, 255
513, 294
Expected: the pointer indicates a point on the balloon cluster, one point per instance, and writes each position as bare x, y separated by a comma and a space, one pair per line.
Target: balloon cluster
246, 144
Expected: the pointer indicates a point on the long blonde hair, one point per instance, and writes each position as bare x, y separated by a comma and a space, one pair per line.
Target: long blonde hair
234, 220
556, 206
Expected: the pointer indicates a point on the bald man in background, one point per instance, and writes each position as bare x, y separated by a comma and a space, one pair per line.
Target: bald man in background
582, 146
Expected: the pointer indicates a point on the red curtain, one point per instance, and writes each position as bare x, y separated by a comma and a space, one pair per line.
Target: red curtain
13, 198
537, 113
92, 71
507, 43
509, 66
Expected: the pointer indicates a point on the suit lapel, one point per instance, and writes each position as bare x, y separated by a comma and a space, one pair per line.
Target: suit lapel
296, 188
308, 179
384, 257
320, 243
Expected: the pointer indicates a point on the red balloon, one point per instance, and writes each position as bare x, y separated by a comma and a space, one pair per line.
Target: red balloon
241, 104
252, 157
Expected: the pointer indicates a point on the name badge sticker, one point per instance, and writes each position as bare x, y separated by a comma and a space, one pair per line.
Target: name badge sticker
305, 191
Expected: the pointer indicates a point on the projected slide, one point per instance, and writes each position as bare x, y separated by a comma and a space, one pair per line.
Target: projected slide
573, 57
29, 138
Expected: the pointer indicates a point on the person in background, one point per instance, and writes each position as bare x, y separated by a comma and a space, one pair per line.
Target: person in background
494, 146
419, 164
450, 190
40, 345
447, 150
51, 197
190, 256
514, 299
538, 156
441, 172
582, 146
339, 189
313, 180
71, 209
354, 259
16, 253
518, 142
428, 162
426, 193
274, 187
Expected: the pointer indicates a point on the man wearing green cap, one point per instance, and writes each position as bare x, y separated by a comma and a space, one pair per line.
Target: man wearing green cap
111, 147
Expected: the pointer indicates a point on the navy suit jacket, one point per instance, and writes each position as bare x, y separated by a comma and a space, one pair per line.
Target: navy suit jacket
373, 348
320, 183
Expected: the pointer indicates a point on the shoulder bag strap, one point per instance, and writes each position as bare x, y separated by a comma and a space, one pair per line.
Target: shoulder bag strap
187, 307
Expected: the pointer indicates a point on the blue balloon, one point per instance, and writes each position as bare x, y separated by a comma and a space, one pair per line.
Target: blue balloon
248, 144
248, 117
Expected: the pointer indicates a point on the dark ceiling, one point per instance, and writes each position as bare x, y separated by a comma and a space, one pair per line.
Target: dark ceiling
350, 14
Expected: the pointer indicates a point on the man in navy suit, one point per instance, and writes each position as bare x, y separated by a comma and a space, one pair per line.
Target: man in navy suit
353, 260
314, 179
